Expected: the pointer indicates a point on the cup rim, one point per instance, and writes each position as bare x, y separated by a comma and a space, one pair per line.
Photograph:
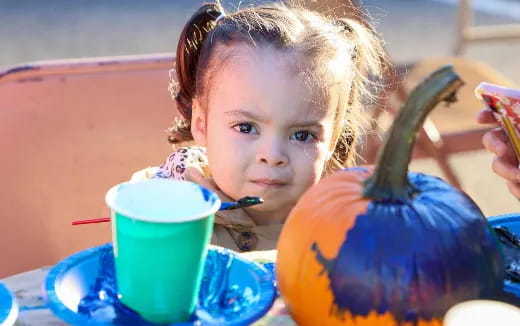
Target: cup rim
111, 195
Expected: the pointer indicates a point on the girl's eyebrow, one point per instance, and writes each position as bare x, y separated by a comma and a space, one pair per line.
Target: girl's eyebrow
250, 115
247, 114
308, 124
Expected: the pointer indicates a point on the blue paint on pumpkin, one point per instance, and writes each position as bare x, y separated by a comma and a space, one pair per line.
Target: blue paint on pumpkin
418, 258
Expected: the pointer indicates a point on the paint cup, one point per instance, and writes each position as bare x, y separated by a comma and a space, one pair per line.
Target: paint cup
160, 231
504, 102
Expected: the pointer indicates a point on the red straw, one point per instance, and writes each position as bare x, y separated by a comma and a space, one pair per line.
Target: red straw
91, 221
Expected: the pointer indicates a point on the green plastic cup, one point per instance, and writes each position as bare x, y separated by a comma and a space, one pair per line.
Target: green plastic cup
160, 231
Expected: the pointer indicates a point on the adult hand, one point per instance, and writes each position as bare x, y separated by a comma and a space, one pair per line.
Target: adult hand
505, 162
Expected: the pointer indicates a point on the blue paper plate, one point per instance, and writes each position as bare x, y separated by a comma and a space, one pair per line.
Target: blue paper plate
8, 307
234, 291
512, 222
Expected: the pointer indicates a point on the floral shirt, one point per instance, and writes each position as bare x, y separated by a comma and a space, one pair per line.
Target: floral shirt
176, 164
233, 229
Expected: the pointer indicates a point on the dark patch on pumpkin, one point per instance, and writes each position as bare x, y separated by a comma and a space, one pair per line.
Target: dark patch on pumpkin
415, 259
327, 264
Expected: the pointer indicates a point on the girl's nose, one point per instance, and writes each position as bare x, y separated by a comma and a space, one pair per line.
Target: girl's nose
272, 153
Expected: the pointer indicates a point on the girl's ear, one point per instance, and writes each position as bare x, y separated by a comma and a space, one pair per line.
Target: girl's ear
198, 123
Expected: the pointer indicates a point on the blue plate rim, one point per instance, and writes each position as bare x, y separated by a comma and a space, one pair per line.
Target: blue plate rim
54, 303
498, 219
266, 285
8, 314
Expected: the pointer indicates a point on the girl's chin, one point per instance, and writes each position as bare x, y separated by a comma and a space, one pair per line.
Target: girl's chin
272, 207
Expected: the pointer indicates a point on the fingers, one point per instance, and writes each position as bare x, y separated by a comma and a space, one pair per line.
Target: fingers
505, 163
235, 216
506, 168
497, 142
486, 116
194, 175
514, 188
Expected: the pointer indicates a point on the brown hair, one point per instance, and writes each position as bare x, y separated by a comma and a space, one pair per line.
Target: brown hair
314, 39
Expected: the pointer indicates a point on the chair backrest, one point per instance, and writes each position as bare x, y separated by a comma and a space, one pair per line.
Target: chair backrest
468, 32
69, 130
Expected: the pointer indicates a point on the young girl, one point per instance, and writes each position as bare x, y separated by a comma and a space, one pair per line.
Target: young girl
272, 95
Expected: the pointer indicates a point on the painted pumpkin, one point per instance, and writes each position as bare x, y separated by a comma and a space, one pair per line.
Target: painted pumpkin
382, 246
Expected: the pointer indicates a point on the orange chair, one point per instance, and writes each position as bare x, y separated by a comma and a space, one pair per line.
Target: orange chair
69, 130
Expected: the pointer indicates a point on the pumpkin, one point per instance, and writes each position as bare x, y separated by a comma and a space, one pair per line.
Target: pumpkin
384, 246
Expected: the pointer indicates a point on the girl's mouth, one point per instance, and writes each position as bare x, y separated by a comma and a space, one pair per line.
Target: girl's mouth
269, 183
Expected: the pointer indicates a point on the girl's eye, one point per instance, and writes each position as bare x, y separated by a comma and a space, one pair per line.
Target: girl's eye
244, 127
303, 136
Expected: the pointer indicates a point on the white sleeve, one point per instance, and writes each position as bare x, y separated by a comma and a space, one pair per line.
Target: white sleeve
144, 174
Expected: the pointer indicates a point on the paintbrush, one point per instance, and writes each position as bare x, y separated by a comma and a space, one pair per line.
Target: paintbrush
241, 203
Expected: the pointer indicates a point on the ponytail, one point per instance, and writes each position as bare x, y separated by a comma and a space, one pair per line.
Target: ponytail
188, 51
369, 65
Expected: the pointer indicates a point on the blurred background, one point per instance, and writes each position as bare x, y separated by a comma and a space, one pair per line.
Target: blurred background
57, 146
413, 29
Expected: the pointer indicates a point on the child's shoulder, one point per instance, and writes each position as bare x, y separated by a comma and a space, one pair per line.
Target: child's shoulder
181, 159
189, 153
176, 164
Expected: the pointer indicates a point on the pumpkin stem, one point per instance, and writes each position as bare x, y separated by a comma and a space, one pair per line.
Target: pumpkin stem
390, 178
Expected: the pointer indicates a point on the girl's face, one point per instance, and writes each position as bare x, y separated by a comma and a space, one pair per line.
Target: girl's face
265, 135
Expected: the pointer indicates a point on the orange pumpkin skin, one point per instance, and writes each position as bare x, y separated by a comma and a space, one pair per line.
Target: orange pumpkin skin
324, 215
307, 297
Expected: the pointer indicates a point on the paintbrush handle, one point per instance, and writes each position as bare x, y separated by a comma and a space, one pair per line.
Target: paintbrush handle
242, 202
90, 221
